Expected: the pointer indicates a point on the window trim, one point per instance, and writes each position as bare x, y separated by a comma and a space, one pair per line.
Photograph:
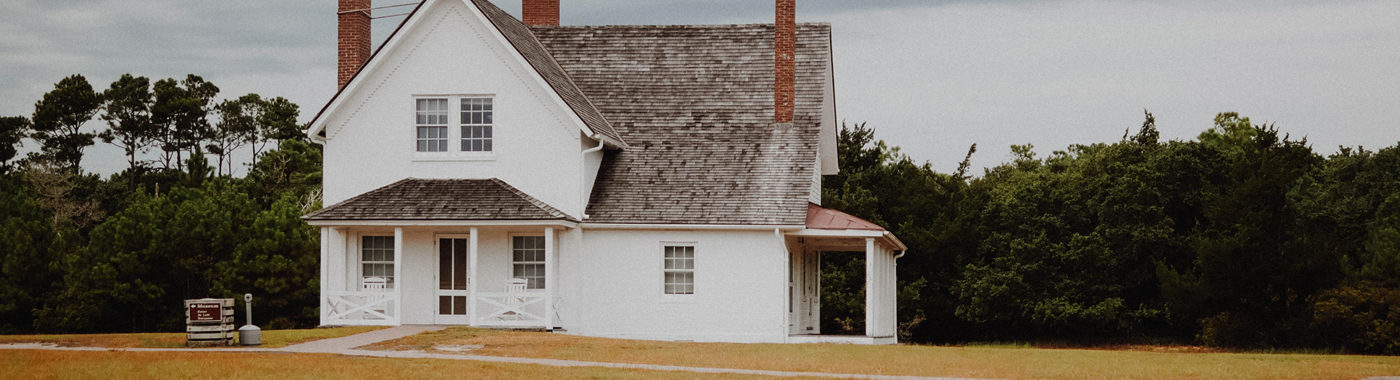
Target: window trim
511, 261
454, 129
694, 270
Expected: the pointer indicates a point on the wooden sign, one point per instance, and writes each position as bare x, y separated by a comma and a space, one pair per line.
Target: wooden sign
209, 321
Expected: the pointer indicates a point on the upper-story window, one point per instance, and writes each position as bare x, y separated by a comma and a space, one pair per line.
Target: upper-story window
431, 122
476, 124
472, 116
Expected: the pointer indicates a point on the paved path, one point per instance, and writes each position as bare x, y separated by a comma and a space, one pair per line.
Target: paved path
348, 346
348, 343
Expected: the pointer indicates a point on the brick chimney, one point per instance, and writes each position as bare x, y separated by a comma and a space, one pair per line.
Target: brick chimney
784, 63
353, 38
540, 12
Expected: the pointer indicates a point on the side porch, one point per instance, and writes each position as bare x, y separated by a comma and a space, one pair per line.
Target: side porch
831, 232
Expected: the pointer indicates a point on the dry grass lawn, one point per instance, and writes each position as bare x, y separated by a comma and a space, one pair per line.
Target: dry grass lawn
270, 338
973, 361
32, 364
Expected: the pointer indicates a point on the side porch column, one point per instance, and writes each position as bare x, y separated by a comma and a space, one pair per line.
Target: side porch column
398, 275
325, 276
472, 278
870, 288
549, 278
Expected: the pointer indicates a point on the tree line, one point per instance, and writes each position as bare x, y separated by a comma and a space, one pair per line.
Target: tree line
1243, 237
82, 253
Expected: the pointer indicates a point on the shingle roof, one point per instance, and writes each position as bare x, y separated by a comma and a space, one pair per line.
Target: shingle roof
695, 104
441, 199
519, 36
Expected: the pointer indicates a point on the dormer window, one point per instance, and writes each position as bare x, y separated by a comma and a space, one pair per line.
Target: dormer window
473, 116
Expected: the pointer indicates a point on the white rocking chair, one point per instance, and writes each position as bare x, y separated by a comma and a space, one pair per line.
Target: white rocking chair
515, 291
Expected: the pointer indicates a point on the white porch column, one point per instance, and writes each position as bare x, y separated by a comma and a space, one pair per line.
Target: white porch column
337, 268
549, 279
892, 299
472, 280
870, 288
398, 275
325, 275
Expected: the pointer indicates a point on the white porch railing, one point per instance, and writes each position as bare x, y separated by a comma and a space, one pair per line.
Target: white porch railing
359, 308
511, 309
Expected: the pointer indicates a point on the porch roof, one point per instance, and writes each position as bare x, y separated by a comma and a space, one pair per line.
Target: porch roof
821, 218
416, 199
829, 223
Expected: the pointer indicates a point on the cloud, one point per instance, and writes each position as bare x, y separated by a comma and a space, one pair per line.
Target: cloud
937, 79
931, 76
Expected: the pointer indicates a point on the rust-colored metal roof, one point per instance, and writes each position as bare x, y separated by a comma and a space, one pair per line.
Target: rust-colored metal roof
821, 218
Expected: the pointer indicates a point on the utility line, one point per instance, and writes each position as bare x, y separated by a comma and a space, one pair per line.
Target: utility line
380, 7
393, 15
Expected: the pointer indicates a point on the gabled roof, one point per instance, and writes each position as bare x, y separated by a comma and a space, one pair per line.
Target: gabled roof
523, 42
695, 103
441, 199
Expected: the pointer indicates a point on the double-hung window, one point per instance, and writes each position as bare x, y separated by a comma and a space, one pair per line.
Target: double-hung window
476, 124
447, 126
527, 260
679, 269
431, 123
377, 258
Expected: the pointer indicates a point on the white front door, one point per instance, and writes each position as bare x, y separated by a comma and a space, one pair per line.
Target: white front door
452, 279
804, 292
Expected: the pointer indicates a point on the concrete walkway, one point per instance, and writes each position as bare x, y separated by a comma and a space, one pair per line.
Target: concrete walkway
348, 345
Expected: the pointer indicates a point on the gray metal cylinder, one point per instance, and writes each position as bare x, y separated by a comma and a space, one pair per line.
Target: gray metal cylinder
249, 335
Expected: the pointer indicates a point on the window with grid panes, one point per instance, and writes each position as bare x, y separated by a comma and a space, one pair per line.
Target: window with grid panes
431, 123
476, 124
377, 258
679, 269
527, 260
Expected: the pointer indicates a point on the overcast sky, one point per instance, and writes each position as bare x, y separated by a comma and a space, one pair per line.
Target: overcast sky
932, 77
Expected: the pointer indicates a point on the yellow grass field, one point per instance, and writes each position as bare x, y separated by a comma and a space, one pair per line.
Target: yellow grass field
270, 338
972, 361
32, 364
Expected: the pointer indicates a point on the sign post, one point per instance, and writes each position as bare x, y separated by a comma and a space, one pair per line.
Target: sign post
209, 322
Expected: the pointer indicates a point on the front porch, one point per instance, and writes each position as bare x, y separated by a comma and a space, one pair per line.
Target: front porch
471, 275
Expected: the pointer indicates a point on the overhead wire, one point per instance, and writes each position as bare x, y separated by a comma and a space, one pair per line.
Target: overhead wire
393, 15
379, 7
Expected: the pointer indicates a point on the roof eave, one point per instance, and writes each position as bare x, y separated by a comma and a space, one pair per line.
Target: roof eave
440, 223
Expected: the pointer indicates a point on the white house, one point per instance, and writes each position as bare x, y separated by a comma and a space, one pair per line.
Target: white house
615, 181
